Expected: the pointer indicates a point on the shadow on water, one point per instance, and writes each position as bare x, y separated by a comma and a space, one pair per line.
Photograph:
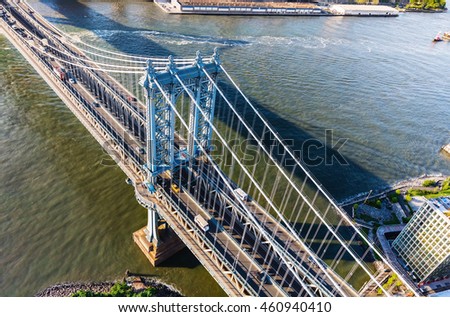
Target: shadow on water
349, 174
183, 258
141, 45
81, 16
322, 156
330, 250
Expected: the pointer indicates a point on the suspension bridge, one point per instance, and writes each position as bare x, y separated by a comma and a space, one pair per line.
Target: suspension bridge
211, 171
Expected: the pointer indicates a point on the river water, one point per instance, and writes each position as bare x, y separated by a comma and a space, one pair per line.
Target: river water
66, 215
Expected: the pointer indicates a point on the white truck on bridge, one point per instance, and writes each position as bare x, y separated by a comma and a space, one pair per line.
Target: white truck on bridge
241, 194
202, 223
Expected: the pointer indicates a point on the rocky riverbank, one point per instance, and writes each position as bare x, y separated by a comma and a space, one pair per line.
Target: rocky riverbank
402, 185
137, 282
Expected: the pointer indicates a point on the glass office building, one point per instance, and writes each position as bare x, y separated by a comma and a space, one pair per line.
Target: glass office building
424, 243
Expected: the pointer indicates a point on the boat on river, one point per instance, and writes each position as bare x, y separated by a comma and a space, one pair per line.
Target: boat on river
440, 38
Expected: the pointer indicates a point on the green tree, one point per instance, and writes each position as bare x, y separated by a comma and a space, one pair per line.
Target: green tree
393, 198
426, 4
120, 289
446, 184
378, 204
429, 183
149, 292
82, 293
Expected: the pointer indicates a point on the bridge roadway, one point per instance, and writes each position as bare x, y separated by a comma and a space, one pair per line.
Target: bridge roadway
249, 239
107, 130
233, 255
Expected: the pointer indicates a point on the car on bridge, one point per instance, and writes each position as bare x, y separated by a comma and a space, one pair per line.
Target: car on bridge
175, 188
265, 278
139, 150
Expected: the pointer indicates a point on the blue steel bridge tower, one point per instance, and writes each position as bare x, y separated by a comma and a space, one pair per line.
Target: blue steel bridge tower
162, 90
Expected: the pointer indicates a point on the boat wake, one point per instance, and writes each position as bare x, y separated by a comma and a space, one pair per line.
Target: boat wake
178, 39
168, 38
311, 42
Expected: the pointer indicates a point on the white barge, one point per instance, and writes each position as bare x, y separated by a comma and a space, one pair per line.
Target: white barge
362, 10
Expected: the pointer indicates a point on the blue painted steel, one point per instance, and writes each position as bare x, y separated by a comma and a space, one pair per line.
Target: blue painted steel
160, 127
160, 117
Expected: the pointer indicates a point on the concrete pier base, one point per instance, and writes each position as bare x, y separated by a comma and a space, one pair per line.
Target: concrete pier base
168, 244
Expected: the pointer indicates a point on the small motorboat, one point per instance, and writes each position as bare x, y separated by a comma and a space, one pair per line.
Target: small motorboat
438, 38
446, 36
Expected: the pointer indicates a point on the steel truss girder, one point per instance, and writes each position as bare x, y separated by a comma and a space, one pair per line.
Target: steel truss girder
160, 131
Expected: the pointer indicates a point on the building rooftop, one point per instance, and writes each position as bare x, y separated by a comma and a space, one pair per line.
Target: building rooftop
442, 204
441, 294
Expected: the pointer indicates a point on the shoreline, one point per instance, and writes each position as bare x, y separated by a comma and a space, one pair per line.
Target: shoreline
426, 11
66, 289
407, 183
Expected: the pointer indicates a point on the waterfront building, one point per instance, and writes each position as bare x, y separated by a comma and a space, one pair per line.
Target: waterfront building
424, 243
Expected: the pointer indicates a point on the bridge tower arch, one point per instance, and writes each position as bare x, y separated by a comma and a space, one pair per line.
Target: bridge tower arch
162, 89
